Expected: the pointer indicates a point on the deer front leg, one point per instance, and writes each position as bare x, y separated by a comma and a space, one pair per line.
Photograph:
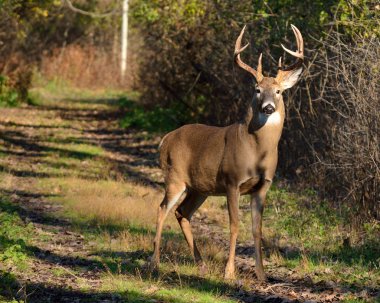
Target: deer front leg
233, 195
257, 207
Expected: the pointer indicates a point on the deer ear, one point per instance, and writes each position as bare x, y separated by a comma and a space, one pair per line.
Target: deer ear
290, 78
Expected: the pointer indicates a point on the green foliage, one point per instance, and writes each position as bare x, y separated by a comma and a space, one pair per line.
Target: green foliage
157, 119
8, 96
14, 234
359, 17
168, 13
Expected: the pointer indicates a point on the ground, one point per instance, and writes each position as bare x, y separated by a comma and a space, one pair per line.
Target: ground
78, 203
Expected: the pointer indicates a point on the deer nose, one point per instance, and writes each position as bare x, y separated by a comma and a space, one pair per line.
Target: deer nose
268, 108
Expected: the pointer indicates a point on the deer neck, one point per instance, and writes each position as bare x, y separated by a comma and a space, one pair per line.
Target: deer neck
266, 130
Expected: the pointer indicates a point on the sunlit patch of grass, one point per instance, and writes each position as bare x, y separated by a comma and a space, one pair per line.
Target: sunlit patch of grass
59, 87
73, 160
118, 218
59, 272
37, 120
73, 167
74, 150
352, 299
179, 291
51, 93
114, 215
111, 203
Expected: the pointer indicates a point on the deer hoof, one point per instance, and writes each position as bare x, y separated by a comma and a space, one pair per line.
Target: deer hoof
260, 276
229, 277
229, 274
151, 266
203, 269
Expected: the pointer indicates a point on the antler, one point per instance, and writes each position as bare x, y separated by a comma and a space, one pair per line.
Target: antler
238, 50
299, 54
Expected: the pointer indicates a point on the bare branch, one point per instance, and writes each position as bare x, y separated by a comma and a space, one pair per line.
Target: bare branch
91, 14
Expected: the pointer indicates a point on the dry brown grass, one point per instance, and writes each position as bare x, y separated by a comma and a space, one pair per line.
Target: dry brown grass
114, 202
133, 208
88, 67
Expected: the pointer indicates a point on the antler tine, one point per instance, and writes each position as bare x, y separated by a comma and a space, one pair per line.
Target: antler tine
238, 50
299, 38
259, 66
299, 54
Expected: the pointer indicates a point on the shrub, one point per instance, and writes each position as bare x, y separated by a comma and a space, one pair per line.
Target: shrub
339, 124
8, 96
331, 135
156, 119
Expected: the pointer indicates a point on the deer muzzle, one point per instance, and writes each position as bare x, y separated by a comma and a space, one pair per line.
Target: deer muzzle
268, 107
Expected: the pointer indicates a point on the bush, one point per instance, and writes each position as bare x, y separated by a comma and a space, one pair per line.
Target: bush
157, 119
8, 96
340, 124
331, 135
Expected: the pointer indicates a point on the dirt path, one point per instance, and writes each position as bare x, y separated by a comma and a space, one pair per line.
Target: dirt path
25, 134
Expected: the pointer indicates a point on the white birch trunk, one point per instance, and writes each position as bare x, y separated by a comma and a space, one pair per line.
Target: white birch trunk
124, 40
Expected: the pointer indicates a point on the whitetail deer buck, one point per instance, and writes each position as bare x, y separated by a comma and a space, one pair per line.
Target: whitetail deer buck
235, 160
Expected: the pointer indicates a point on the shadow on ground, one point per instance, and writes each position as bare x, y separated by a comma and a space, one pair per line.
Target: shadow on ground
131, 148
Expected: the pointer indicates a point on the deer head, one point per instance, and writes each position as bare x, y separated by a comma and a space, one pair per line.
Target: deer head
269, 90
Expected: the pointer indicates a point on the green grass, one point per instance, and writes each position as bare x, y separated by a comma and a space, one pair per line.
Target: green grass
15, 249
201, 291
59, 87
355, 300
75, 150
52, 92
318, 233
14, 235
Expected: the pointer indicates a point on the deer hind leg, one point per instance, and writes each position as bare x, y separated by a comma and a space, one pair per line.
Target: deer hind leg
184, 213
233, 195
172, 195
257, 207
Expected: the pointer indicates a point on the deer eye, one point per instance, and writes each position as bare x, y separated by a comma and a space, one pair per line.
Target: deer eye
258, 91
277, 91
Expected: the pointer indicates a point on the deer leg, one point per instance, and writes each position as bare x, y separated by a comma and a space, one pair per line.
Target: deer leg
233, 195
257, 207
184, 213
172, 195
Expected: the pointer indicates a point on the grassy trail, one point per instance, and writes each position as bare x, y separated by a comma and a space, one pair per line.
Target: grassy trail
78, 198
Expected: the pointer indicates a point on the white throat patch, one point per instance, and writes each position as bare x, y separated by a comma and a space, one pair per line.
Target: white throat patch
273, 119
